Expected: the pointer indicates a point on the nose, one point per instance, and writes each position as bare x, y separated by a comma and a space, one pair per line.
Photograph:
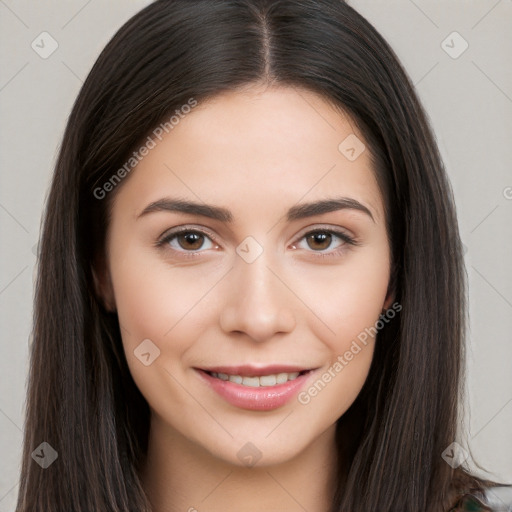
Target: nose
257, 301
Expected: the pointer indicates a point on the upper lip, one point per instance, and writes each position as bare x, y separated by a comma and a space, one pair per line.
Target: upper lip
249, 370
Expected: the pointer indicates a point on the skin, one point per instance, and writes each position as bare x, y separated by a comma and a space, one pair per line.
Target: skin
257, 152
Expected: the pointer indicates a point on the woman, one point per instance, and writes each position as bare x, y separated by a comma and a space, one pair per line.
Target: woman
251, 287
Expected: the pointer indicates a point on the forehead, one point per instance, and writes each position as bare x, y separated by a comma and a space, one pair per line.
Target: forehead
256, 146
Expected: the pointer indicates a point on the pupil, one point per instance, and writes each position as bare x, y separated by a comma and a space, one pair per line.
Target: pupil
192, 241
323, 239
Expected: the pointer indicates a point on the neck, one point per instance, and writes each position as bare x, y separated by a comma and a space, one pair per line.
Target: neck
181, 476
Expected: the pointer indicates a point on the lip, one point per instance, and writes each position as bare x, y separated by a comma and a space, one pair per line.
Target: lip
263, 398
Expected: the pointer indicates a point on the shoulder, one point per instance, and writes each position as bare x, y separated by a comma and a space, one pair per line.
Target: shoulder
492, 499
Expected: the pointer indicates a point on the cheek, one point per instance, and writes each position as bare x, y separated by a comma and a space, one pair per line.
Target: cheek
171, 307
347, 298
156, 303
152, 298
350, 304
347, 301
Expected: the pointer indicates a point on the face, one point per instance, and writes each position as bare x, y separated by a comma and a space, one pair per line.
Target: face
248, 260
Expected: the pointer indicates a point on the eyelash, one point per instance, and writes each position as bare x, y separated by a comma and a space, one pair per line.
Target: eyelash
166, 238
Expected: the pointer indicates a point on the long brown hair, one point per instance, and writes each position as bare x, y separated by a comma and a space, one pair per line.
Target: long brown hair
82, 399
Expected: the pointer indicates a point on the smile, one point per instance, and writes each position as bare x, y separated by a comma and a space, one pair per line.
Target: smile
253, 388
255, 381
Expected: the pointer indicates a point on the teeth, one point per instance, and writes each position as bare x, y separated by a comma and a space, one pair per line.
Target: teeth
281, 377
254, 382
268, 380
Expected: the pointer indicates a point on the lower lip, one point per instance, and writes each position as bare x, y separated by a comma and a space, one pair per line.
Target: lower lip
262, 398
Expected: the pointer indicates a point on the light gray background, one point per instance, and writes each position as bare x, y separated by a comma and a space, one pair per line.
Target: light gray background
469, 101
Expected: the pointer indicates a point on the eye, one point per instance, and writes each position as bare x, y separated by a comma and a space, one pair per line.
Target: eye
326, 242
187, 240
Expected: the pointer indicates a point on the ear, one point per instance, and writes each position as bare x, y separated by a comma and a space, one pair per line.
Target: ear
391, 292
103, 284
390, 297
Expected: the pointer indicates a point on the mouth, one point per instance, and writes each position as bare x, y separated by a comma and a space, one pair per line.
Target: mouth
256, 388
255, 381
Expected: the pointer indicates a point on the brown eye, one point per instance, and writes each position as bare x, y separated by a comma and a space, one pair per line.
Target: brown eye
190, 241
319, 241
326, 242
187, 240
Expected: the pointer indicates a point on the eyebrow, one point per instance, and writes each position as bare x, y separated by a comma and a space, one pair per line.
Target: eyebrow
297, 212
302, 211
